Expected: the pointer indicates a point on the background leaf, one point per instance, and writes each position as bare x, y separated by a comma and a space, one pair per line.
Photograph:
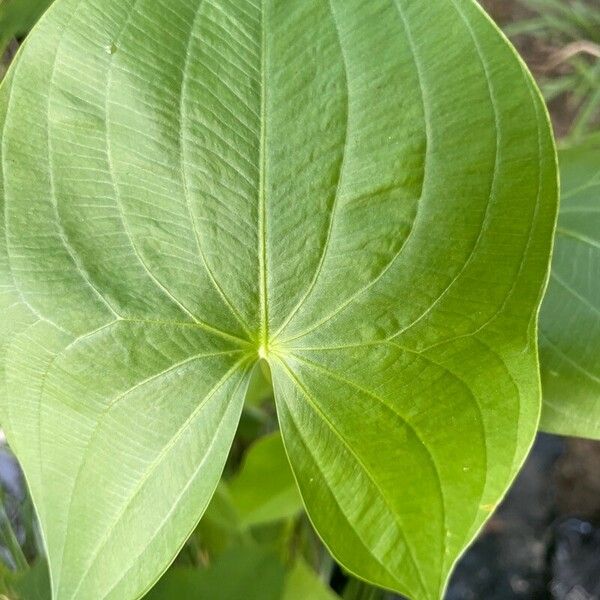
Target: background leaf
17, 17
302, 583
569, 321
33, 584
264, 490
248, 573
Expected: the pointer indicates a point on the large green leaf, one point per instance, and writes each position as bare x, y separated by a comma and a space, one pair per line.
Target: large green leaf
570, 317
363, 193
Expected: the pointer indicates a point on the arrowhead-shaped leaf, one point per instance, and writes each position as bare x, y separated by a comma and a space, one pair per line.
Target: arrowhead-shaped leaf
363, 193
570, 317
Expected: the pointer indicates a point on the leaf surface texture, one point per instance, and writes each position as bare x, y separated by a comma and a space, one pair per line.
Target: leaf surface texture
364, 193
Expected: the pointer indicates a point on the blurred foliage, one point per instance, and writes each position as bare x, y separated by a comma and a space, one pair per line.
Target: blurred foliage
17, 17
233, 576
264, 490
32, 584
561, 41
20, 543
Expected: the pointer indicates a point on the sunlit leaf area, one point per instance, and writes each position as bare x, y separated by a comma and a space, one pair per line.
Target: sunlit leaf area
299, 300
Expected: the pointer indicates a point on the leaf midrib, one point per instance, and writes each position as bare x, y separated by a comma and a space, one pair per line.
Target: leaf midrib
262, 209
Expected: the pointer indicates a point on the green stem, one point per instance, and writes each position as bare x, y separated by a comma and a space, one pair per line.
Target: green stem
10, 540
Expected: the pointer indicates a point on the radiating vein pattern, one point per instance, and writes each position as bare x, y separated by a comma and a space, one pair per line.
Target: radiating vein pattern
188, 185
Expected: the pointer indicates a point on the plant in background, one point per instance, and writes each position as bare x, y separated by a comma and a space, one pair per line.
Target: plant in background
569, 323
568, 34
193, 191
17, 17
